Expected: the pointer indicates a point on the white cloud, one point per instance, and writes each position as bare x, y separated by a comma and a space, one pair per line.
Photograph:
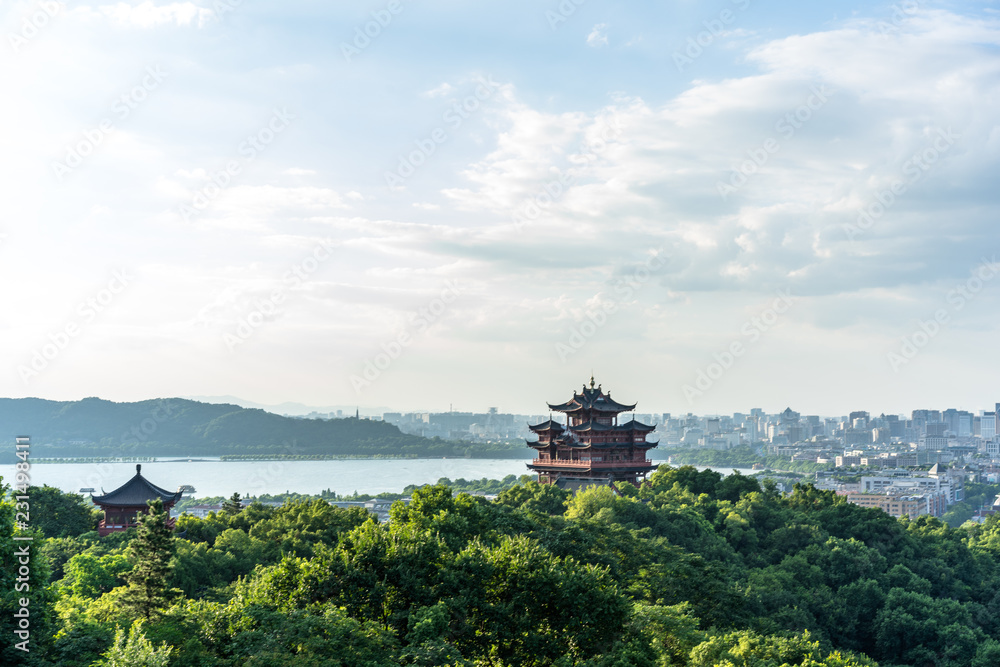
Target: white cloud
440, 91
148, 14
638, 174
877, 100
598, 36
264, 207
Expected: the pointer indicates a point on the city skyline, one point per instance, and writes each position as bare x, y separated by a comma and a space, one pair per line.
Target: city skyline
298, 409
711, 207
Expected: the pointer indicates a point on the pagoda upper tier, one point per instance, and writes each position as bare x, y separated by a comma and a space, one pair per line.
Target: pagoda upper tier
591, 405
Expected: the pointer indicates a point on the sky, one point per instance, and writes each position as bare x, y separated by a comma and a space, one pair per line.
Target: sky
709, 206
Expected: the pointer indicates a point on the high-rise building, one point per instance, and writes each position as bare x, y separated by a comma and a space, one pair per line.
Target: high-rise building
964, 424
987, 425
861, 415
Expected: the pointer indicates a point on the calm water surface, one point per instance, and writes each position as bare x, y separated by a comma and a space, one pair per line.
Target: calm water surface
218, 478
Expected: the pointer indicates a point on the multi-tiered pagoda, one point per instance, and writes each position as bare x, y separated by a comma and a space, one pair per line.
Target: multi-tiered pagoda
592, 447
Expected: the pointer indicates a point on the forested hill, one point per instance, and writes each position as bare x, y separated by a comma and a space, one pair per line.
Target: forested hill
179, 427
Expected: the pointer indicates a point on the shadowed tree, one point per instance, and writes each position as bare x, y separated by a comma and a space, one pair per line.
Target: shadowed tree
153, 546
135, 650
60, 514
233, 505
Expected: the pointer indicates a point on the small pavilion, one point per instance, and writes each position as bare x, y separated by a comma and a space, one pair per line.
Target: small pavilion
124, 504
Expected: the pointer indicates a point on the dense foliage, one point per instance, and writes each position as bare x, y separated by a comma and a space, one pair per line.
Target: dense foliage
692, 569
738, 457
482, 486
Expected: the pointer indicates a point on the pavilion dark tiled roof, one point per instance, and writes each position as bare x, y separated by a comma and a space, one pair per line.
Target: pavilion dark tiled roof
633, 425
592, 426
549, 425
592, 399
136, 492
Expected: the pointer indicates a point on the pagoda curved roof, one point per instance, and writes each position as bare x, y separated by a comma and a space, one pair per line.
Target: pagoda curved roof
549, 425
136, 492
590, 426
633, 425
591, 399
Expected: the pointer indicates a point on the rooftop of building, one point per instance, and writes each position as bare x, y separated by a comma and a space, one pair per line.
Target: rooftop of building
592, 399
136, 493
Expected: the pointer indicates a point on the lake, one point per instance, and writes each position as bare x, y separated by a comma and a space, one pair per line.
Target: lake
223, 478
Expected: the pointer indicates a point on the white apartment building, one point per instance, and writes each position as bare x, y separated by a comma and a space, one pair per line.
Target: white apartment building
934, 481
987, 425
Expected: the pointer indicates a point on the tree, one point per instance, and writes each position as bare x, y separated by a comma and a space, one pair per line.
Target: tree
153, 546
233, 505
523, 605
732, 487
671, 631
24, 573
688, 477
544, 498
59, 514
91, 576
135, 650
749, 649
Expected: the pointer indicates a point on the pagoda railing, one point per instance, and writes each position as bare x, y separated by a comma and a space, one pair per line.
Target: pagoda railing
105, 527
591, 464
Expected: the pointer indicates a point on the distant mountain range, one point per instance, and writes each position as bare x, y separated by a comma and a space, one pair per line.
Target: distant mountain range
182, 427
289, 408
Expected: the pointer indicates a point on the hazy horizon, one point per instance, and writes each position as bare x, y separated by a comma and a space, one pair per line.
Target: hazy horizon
710, 207
296, 409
